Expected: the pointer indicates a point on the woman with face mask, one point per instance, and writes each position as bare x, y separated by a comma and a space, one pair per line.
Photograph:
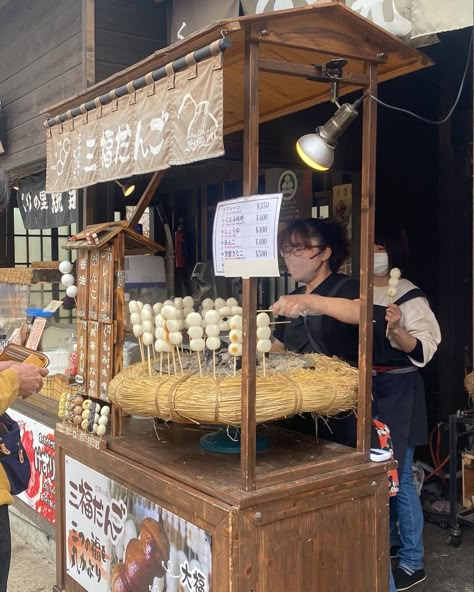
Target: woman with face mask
314, 250
406, 336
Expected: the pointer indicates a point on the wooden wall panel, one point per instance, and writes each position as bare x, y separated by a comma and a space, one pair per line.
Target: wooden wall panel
41, 63
126, 32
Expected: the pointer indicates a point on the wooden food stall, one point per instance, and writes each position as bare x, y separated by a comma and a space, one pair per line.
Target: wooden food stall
303, 515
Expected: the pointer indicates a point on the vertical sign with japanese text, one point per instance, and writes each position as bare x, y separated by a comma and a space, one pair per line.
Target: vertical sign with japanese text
118, 540
39, 444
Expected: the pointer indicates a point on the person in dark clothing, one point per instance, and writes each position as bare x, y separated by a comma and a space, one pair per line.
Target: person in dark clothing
314, 250
406, 336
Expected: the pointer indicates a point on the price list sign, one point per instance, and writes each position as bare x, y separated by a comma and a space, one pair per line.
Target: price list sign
245, 236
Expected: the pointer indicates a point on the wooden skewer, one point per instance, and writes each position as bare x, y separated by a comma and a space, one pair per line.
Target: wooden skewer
264, 364
279, 322
168, 357
149, 359
214, 363
142, 352
161, 363
199, 364
265, 310
179, 360
235, 365
174, 360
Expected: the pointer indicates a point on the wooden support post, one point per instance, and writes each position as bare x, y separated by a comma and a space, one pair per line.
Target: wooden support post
146, 198
249, 303
367, 231
119, 305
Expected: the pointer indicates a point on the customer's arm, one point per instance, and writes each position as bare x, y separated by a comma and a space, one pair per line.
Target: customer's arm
19, 380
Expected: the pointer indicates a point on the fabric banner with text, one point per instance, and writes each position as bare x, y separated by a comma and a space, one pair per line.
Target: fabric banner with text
177, 120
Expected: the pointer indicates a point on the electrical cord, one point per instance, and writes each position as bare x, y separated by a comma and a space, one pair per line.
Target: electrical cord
415, 115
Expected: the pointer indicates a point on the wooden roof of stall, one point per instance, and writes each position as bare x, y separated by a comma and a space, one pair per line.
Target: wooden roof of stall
135, 243
302, 36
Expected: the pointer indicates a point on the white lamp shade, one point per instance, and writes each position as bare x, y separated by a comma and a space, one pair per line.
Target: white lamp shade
65, 267
67, 280
315, 152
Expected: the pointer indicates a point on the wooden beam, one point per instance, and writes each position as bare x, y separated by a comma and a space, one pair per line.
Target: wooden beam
367, 231
313, 73
249, 285
146, 198
88, 42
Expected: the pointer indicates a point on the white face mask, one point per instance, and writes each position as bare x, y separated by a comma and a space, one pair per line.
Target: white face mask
380, 264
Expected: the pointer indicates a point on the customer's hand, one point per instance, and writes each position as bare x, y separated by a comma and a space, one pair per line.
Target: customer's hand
30, 379
7, 364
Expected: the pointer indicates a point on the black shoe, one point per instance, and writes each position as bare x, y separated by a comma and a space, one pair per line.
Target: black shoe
405, 581
394, 551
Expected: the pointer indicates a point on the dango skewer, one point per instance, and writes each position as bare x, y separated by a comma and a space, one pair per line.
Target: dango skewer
393, 282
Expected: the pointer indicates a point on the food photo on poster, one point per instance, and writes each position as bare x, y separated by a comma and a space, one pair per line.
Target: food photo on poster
118, 541
38, 441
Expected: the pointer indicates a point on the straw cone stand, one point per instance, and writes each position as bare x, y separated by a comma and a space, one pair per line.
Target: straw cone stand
327, 388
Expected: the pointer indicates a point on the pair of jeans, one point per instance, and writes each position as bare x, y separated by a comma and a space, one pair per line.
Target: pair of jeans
406, 519
5, 547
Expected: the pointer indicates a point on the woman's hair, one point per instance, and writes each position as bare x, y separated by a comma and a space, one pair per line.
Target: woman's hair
4, 191
395, 241
327, 232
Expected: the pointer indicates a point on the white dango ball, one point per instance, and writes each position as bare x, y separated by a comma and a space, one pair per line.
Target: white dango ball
147, 326
105, 410
168, 303
159, 333
263, 320
230, 302
235, 349
178, 303
139, 304
71, 291
179, 313
392, 292
235, 336
393, 281
212, 331
224, 311
148, 306
395, 272
219, 303
159, 321
166, 346
157, 308
208, 303
264, 332
175, 338
133, 307
224, 325
146, 314
135, 318
169, 312
65, 267
137, 330
67, 280
197, 345
236, 322
188, 302
147, 338
236, 310
195, 332
194, 319
101, 429
212, 317
264, 346
104, 420
159, 344
172, 325
213, 343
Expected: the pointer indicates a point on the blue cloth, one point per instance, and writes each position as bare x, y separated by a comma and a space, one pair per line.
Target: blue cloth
392, 581
406, 520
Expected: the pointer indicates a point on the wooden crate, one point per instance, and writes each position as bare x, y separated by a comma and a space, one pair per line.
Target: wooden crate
468, 479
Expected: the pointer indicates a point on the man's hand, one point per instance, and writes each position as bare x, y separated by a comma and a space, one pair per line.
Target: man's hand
30, 379
7, 364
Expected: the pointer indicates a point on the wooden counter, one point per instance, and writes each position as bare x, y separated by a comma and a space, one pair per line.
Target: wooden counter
317, 521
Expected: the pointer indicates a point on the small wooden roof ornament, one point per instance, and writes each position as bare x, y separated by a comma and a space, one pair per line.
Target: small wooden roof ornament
99, 235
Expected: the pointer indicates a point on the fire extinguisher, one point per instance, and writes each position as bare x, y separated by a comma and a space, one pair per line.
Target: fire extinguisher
180, 246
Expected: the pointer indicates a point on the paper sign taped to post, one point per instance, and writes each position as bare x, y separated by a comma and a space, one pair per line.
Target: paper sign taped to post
245, 236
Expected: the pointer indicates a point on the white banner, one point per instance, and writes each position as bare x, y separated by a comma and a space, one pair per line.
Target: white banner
118, 540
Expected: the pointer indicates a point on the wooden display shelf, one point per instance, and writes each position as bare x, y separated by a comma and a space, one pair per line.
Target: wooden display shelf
327, 530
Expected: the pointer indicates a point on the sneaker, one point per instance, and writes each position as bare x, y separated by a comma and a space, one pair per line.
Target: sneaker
405, 581
394, 551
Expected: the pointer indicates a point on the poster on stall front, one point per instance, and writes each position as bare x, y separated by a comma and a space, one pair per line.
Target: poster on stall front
38, 441
118, 540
